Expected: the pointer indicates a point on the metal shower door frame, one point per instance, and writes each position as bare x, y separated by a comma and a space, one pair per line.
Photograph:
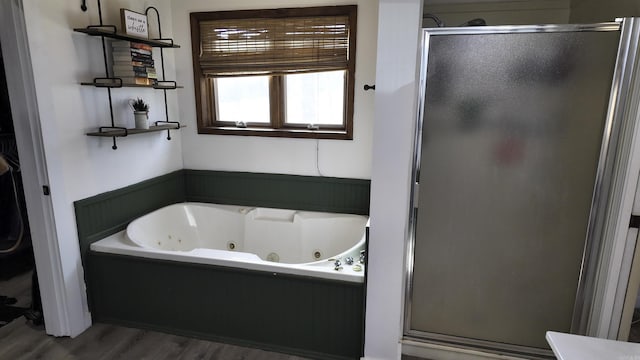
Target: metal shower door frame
586, 287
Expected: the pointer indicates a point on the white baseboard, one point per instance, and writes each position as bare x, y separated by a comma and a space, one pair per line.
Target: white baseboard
440, 352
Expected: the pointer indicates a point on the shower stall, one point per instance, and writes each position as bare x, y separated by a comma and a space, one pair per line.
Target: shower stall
517, 135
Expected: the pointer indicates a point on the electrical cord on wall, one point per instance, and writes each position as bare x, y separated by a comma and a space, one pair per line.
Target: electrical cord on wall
11, 249
318, 157
10, 162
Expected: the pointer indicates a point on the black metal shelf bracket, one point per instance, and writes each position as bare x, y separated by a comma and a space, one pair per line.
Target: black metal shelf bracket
107, 82
106, 65
105, 28
177, 124
104, 129
165, 84
166, 106
115, 145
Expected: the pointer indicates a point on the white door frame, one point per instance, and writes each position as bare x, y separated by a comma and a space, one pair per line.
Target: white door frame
26, 119
394, 122
614, 263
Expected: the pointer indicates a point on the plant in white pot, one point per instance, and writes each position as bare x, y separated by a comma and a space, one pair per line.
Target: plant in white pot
140, 113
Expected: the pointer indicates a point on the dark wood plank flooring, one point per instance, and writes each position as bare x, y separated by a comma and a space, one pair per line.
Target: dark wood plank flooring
18, 287
21, 341
634, 332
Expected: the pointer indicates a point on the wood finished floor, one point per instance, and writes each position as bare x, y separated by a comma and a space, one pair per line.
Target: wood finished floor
18, 287
21, 341
634, 333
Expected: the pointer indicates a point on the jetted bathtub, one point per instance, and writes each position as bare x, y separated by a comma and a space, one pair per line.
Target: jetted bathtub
292, 242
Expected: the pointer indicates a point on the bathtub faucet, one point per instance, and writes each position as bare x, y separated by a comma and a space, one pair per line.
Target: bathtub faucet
362, 256
337, 266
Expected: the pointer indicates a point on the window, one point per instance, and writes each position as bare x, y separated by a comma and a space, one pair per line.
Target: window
281, 72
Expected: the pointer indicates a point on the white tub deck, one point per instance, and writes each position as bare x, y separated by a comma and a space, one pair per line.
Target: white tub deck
207, 248
120, 245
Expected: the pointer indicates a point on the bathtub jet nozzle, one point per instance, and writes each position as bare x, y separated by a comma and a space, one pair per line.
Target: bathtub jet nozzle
337, 266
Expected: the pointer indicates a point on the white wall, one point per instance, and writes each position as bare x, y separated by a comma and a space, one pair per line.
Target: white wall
336, 158
592, 11
83, 166
521, 12
80, 166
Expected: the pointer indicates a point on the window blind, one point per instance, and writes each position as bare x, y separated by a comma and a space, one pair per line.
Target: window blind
274, 45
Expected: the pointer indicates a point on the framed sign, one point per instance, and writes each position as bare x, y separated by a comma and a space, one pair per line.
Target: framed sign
134, 24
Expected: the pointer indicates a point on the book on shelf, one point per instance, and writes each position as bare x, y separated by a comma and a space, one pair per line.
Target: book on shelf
129, 57
129, 63
127, 45
141, 52
133, 63
127, 74
137, 80
132, 51
129, 54
144, 69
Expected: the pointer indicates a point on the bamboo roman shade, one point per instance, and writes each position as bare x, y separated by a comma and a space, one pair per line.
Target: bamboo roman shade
274, 45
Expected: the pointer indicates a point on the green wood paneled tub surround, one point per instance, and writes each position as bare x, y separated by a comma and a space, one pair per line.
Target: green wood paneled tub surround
279, 310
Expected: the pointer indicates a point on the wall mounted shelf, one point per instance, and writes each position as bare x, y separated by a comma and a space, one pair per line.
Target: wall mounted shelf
114, 84
108, 131
110, 31
110, 82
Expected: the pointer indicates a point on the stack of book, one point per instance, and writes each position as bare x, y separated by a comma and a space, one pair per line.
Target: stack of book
133, 63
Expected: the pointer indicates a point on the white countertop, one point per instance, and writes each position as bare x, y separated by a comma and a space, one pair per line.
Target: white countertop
577, 347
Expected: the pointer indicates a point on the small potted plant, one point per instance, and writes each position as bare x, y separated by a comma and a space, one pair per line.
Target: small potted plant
140, 113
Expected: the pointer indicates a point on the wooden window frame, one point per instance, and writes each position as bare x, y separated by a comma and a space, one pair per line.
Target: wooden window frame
205, 86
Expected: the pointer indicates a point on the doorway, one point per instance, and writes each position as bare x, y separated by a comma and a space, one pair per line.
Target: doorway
19, 294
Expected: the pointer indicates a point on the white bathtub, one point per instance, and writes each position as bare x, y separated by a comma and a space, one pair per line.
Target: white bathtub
273, 240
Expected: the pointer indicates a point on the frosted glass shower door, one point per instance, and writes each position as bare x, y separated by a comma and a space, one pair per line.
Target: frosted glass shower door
511, 135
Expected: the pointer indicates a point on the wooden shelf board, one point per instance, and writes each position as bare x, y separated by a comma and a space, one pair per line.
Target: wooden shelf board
96, 31
103, 85
121, 133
